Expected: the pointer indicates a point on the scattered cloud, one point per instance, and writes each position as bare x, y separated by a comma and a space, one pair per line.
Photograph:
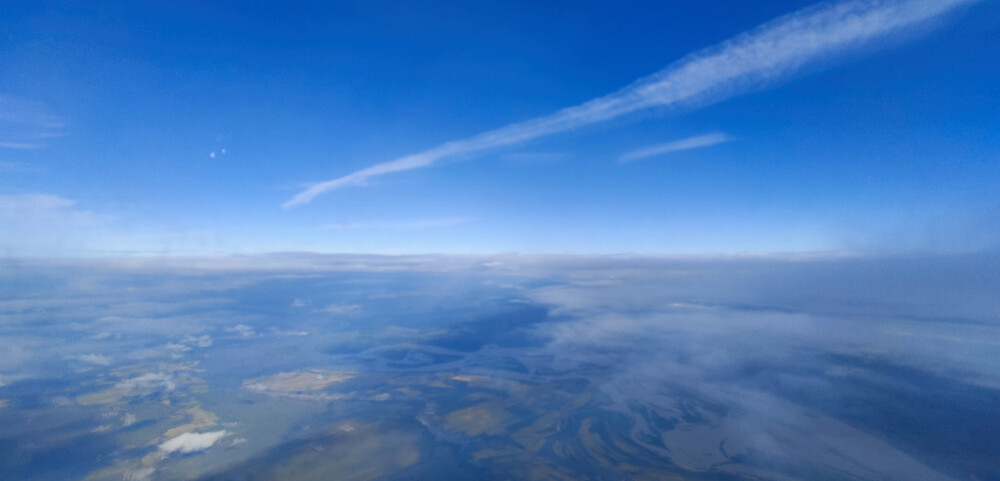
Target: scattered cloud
340, 309
147, 384
178, 347
128, 419
401, 225
299, 303
202, 341
282, 333
192, 442
243, 329
689, 143
97, 359
761, 57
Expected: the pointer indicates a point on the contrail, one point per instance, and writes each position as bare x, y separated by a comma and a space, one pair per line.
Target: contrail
761, 57
689, 143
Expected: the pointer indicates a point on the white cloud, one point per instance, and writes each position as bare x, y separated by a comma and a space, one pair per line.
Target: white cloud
33, 223
128, 419
203, 341
689, 143
761, 57
46, 208
98, 359
178, 347
192, 442
140, 474
340, 309
212, 155
243, 329
147, 384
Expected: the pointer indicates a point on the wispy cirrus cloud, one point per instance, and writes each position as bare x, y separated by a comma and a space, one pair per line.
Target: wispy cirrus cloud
98, 359
25, 124
761, 57
46, 209
689, 143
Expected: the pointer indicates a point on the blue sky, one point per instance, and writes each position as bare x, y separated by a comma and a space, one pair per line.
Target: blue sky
866, 126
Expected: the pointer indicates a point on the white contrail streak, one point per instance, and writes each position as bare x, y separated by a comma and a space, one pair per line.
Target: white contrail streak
763, 56
689, 143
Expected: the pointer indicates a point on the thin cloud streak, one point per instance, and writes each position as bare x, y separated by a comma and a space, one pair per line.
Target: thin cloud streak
760, 57
689, 143
401, 225
25, 123
19, 145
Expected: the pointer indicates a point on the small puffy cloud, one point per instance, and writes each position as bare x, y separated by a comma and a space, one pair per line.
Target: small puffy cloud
212, 155
98, 359
192, 442
203, 341
128, 419
243, 329
299, 303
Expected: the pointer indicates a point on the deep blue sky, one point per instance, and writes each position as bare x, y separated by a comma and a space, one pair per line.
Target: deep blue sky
110, 111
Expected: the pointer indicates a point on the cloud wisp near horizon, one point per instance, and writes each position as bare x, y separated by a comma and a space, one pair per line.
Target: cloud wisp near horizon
401, 224
763, 56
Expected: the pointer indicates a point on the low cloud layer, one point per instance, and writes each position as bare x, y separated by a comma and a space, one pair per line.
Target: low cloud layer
798, 357
192, 442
